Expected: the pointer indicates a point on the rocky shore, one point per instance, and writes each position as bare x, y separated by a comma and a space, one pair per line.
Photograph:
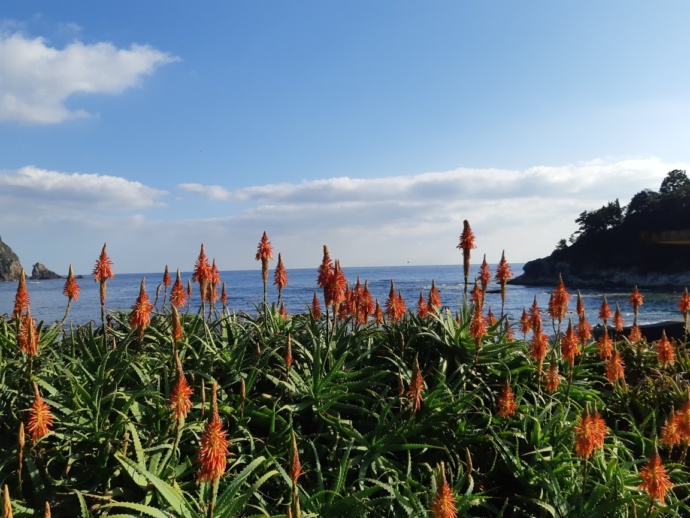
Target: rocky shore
545, 272
11, 268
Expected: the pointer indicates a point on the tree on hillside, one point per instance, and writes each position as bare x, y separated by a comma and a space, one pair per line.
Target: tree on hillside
600, 220
674, 181
642, 202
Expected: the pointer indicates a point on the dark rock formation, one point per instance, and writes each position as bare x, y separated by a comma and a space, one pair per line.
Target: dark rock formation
646, 243
40, 272
10, 267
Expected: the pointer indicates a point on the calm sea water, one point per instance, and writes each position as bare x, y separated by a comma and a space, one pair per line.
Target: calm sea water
245, 291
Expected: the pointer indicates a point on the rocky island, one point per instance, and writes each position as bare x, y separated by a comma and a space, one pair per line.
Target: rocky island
11, 268
645, 243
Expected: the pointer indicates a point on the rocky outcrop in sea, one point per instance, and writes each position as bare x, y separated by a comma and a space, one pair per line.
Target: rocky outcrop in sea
40, 272
10, 267
545, 272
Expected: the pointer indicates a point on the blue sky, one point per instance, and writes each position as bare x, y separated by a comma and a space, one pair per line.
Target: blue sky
373, 127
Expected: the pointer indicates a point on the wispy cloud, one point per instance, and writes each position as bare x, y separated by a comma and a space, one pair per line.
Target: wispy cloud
587, 181
375, 221
31, 187
36, 79
212, 192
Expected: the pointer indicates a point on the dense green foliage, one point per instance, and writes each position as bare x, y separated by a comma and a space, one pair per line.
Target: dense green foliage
115, 451
649, 210
624, 237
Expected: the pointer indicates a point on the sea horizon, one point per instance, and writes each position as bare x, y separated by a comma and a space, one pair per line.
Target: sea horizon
245, 293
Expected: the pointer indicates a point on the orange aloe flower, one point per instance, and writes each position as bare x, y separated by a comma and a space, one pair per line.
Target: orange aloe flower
683, 421
280, 278
102, 271
213, 281
558, 304
7, 504
615, 367
590, 431
21, 299
584, 330
355, 299
366, 305
636, 300
444, 501
224, 295
506, 402
535, 316
213, 451
539, 346
40, 418
414, 393
605, 311
665, 350
466, 244
336, 286
166, 278
477, 295
618, 319
484, 274
325, 271
434, 298
201, 273
71, 289
378, 313
178, 297
491, 318
552, 378
141, 310
422, 308
503, 271
605, 345
525, 322
283, 311
28, 335
580, 309
392, 311
180, 397
177, 332
569, 342
684, 305
671, 431
655, 480
477, 326
264, 253
315, 307
345, 307
635, 333
401, 307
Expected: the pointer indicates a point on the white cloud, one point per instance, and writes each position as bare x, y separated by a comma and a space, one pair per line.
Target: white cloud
212, 192
57, 192
365, 222
36, 79
419, 218
587, 181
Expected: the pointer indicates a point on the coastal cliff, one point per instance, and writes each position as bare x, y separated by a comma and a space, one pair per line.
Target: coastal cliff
645, 244
10, 267
40, 272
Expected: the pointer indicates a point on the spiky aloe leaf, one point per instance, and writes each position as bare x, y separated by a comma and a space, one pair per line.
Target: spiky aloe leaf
173, 497
232, 502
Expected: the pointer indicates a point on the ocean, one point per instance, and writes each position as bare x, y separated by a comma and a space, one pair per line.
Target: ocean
245, 292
